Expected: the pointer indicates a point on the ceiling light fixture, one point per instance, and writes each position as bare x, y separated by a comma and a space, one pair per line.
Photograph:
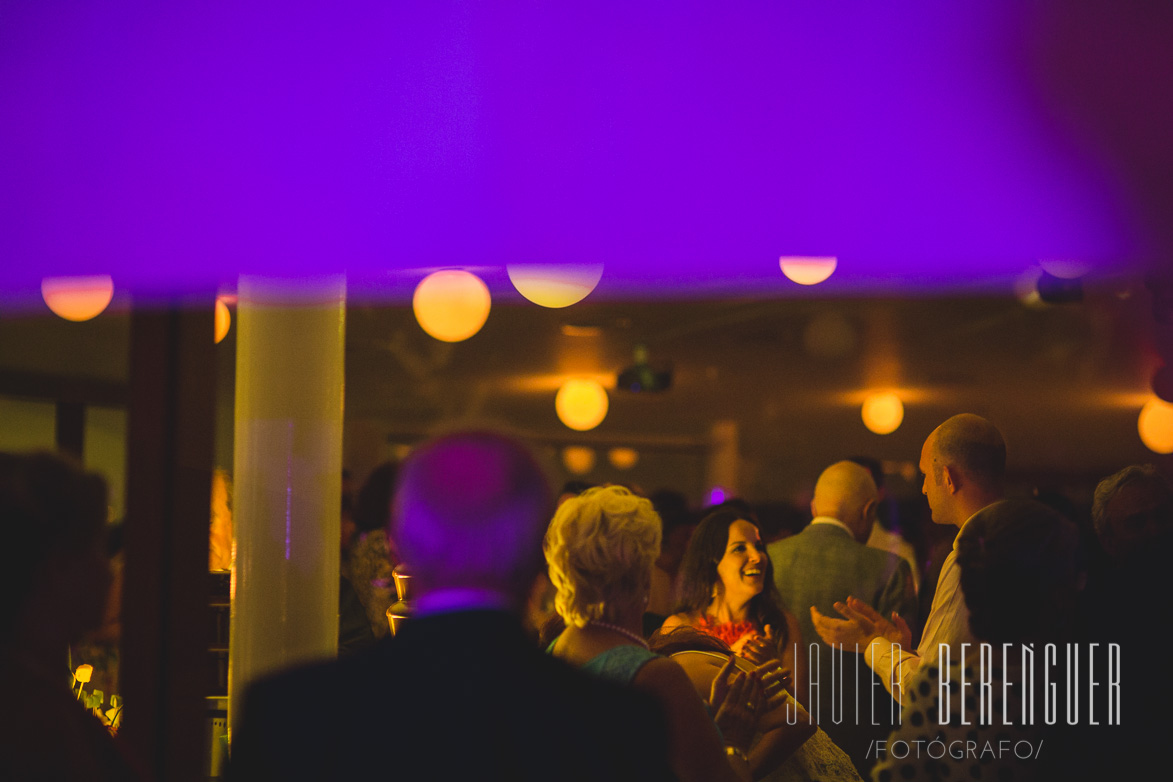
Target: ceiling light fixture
451, 305
555, 285
578, 459
581, 404
1155, 426
78, 298
623, 458
808, 270
883, 413
223, 320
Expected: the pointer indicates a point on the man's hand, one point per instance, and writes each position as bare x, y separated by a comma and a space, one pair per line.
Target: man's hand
860, 626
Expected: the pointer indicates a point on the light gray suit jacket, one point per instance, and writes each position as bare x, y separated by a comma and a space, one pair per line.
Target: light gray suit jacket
819, 566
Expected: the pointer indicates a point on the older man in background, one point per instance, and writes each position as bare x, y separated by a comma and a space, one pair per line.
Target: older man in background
823, 565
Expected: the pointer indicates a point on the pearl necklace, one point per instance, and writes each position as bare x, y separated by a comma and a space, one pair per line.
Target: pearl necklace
617, 629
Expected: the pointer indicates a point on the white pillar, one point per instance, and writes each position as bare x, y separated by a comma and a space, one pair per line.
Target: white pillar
287, 476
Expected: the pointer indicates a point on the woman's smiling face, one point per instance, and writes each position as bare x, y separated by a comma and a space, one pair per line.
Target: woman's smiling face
742, 569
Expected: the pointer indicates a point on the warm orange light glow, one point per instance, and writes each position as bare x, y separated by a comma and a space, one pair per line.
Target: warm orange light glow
223, 320
1156, 426
571, 330
883, 413
78, 298
544, 384
451, 305
623, 458
807, 270
555, 285
581, 404
578, 459
83, 673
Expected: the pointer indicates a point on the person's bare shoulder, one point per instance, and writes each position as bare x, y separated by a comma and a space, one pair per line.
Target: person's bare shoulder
678, 620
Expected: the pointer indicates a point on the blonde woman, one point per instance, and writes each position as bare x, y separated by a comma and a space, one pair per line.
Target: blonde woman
600, 548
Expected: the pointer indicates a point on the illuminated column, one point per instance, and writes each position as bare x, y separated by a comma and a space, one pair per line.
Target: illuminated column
722, 469
287, 476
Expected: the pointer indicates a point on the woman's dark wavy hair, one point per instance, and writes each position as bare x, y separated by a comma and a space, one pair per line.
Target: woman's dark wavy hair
699, 573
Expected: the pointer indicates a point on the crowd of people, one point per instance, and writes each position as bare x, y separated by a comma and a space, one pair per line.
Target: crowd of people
680, 645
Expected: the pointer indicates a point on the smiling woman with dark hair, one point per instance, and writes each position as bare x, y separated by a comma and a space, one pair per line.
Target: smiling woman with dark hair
728, 591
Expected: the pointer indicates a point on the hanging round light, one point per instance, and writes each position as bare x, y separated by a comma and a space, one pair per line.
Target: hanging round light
78, 298
623, 458
1155, 425
807, 270
1065, 268
883, 413
555, 285
451, 305
581, 404
578, 459
223, 320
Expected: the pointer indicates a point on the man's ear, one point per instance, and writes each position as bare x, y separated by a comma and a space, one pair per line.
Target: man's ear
950, 479
814, 512
867, 516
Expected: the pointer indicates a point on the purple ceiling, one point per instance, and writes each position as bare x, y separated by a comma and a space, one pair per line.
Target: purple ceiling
685, 145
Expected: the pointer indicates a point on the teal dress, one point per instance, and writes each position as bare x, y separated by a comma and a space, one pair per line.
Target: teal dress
618, 664
621, 664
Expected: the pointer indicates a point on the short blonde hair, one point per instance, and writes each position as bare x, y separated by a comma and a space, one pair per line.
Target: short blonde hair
600, 548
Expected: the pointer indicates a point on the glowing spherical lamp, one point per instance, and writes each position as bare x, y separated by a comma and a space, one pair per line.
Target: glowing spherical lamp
555, 285
451, 305
581, 404
578, 459
223, 320
623, 458
78, 298
1065, 268
1156, 426
883, 413
807, 270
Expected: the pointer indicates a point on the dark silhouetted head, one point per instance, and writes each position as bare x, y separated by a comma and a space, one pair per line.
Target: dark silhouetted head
53, 517
469, 512
1019, 572
1132, 510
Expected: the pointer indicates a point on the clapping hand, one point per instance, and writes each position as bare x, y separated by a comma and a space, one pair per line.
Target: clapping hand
758, 649
739, 699
775, 681
861, 625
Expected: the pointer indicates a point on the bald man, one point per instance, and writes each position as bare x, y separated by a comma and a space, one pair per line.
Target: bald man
963, 461
821, 566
